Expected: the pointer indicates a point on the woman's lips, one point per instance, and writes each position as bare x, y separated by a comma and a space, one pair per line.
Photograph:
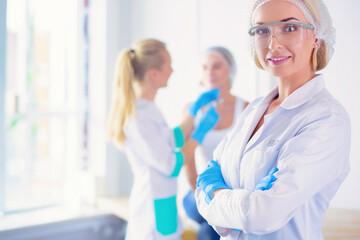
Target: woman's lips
278, 60
212, 81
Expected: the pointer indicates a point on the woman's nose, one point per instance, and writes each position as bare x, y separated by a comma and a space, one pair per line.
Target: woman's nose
275, 43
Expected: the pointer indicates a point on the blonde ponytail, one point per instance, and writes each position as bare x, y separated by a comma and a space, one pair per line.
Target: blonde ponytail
131, 67
123, 96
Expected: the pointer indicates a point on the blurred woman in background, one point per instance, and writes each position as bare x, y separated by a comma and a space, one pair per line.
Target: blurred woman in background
218, 72
156, 153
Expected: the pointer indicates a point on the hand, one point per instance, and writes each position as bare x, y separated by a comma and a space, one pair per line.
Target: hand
210, 180
206, 123
266, 182
203, 100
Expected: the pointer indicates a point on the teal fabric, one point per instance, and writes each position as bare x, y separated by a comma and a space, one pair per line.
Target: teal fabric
166, 215
179, 137
179, 163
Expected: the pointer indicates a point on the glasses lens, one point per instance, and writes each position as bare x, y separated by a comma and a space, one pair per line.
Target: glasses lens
287, 34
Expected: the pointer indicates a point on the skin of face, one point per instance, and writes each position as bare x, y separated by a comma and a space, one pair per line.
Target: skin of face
298, 56
164, 72
215, 72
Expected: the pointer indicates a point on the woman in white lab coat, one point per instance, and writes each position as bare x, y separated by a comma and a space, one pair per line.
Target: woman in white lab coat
218, 71
156, 153
298, 128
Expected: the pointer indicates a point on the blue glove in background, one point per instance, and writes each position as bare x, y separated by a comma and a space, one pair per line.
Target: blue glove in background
266, 182
210, 180
206, 123
203, 100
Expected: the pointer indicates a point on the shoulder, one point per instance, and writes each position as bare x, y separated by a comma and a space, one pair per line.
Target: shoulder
146, 115
254, 103
322, 116
241, 102
324, 105
148, 110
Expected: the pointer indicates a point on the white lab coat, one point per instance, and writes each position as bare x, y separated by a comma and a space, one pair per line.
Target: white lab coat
308, 138
149, 146
203, 153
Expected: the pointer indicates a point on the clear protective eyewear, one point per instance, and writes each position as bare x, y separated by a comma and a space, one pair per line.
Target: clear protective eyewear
287, 33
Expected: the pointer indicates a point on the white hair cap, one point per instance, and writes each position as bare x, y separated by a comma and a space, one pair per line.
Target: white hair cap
227, 58
324, 29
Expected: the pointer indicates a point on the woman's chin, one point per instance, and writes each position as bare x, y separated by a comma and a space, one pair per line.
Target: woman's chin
213, 85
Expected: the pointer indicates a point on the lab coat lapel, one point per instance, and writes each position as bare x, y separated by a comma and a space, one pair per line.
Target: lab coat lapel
248, 127
238, 141
253, 122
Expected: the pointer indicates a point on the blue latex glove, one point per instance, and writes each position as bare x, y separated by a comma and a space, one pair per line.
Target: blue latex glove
266, 182
206, 123
210, 180
203, 100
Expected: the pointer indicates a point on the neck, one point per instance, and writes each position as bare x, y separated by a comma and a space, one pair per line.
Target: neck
226, 95
287, 85
145, 91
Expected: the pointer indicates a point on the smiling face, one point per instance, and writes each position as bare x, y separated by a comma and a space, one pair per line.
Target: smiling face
215, 72
284, 60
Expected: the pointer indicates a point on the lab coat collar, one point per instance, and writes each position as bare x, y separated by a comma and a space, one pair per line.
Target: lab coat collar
300, 96
297, 98
304, 93
267, 99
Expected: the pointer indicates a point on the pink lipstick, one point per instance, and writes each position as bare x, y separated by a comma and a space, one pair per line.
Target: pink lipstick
278, 60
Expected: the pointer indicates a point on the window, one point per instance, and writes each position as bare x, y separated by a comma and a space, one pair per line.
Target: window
43, 110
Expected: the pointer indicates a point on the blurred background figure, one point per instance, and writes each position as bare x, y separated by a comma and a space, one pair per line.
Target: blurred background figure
218, 72
156, 153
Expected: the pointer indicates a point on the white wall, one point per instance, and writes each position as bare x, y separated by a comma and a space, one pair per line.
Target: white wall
118, 16
109, 171
227, 25
190, 26
343, 81
175, 23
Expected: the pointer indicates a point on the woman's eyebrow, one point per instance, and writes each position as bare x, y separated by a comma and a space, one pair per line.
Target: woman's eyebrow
284, 20
290, 18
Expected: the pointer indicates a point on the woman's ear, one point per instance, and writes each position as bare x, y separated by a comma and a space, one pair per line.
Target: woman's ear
152, 74
316, 43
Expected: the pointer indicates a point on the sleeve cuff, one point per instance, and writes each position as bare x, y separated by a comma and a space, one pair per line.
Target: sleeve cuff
179, 137
179, 163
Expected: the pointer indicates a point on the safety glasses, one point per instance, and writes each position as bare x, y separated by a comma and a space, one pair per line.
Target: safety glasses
287, 33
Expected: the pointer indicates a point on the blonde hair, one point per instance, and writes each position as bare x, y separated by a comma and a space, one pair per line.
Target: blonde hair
320, 56
131, 67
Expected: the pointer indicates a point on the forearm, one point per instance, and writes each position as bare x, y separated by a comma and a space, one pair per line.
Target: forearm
227, 209
190, 167
188, 152
191, 175
187, 125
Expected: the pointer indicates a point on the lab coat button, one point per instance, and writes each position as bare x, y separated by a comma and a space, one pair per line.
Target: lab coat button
272, 142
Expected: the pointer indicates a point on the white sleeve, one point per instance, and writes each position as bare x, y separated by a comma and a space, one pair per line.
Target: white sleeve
308, 162
155, 144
